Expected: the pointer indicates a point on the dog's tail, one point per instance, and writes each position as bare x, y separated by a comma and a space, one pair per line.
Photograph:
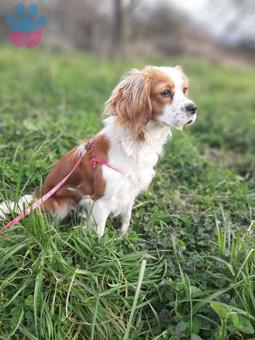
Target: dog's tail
9, 207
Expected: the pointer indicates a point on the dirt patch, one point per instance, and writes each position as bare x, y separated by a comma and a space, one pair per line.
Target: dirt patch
224, 158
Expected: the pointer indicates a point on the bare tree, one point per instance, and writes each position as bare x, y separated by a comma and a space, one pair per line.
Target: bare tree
117, 31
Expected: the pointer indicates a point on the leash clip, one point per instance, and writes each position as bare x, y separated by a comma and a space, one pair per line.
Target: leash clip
88, 145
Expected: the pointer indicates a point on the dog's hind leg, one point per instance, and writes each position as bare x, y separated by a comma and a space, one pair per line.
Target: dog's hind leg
57, 207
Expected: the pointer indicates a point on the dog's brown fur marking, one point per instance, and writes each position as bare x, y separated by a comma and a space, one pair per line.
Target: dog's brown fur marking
85, 180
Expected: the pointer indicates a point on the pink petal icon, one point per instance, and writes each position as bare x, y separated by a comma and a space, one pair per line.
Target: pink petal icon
29, 40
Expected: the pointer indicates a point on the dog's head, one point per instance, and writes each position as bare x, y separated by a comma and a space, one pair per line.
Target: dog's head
154, 93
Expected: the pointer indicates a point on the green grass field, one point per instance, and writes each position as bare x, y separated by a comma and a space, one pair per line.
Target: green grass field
194, 227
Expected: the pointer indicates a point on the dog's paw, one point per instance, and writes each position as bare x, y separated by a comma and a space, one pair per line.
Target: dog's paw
123, 234
26, 27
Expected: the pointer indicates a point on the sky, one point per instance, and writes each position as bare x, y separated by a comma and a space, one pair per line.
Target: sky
192, 6
199, 11
215, 19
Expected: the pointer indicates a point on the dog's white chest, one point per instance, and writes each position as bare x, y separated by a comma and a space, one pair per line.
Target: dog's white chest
135, 159
122, 188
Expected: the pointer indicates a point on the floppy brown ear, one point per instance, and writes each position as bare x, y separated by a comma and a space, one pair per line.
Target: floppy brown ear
130, 102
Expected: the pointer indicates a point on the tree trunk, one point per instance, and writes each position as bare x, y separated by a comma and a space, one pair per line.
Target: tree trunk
117, 32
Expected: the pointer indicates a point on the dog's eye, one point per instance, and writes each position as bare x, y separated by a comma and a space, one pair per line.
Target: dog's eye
166, 93
185, 90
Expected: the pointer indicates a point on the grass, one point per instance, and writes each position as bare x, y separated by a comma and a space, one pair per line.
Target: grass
186, 270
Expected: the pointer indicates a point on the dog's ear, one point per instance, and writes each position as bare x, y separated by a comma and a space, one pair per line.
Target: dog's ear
130, 102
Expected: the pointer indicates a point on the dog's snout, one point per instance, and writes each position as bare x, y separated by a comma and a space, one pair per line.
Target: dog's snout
191, 108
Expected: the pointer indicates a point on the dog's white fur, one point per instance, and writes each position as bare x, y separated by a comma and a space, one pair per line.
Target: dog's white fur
137, 161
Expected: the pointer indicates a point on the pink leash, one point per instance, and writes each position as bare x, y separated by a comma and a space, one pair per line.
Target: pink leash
37, 203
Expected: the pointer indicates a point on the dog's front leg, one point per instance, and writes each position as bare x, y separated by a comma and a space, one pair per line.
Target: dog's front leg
100, 213
125, 218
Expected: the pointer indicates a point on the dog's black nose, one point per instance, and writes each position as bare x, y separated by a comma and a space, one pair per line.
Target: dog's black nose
191, 108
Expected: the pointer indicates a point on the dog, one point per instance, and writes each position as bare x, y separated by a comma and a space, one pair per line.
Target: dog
118, 162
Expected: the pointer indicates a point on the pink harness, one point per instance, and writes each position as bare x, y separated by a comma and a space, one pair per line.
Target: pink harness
94, 161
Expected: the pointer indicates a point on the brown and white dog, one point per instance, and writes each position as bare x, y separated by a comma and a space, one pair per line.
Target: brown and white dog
141, 111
